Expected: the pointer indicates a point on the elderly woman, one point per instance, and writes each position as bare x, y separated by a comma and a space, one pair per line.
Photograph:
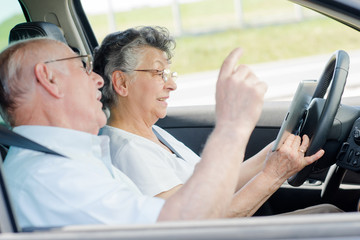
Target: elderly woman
135, 65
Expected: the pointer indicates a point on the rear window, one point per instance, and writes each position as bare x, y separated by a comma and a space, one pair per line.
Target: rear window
10, 15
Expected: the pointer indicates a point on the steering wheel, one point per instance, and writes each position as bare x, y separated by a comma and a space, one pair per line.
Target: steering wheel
335, 73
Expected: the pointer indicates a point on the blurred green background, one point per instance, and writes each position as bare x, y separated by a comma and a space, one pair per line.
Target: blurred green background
210, 29
268, 31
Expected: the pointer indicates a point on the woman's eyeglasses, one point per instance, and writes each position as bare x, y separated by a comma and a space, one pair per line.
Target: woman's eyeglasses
166, 74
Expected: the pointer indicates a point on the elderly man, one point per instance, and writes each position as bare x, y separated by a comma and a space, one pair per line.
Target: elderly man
49, 96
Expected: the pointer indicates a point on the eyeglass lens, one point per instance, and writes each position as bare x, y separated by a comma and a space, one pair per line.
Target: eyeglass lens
87, 63
168, 74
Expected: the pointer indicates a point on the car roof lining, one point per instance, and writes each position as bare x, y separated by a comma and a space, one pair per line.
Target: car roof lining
61, 13
346, 12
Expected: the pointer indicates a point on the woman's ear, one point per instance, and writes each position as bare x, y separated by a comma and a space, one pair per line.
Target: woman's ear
47, 80
120, 83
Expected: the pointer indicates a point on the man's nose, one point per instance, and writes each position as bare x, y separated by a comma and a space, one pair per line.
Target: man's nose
99, 81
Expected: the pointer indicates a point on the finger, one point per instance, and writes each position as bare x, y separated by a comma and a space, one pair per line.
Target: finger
289, 140
296, 142
244, 73
304, 144
262, 87
229, 63
314, 157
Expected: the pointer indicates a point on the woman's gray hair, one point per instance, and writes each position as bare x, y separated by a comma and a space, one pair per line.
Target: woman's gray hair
121, 50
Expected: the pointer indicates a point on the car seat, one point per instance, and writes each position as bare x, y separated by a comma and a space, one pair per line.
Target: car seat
36, 29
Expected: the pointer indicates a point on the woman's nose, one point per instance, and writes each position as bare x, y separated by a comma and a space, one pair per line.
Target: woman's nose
171, 84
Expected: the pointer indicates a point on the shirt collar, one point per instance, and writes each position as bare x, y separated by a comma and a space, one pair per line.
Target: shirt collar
69, 142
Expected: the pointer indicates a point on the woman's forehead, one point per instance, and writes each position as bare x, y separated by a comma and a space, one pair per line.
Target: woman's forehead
153, 55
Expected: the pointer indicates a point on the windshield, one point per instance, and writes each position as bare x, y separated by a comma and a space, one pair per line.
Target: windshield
283, 43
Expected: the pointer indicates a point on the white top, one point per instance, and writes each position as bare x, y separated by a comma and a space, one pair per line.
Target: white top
82, 188
152, 168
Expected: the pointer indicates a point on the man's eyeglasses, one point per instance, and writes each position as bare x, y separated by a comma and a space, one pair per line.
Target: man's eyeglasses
166, 74
86, 60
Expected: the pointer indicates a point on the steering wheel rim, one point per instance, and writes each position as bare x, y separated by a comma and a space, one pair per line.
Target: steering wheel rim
335, 73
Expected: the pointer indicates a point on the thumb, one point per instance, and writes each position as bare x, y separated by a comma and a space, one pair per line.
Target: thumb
314, 157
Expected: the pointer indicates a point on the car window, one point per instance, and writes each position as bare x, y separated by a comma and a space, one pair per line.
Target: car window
283, 42
10, 15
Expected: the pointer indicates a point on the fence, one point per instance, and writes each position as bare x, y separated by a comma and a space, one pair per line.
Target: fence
222, 15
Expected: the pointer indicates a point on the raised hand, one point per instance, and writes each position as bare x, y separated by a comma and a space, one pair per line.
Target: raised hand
239, 93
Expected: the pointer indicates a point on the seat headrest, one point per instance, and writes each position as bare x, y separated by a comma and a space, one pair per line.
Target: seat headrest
36, 29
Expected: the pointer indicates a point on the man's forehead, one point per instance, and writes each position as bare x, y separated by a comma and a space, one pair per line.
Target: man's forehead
61, 49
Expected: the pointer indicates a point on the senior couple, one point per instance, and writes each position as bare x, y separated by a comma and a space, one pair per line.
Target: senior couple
50, 94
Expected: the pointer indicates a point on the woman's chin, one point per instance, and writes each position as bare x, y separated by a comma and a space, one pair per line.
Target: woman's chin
162, 115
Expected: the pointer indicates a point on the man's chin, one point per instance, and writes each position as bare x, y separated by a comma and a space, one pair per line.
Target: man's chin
103, 120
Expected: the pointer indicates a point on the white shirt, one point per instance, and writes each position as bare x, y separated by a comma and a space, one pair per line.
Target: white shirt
152, 168
82, 188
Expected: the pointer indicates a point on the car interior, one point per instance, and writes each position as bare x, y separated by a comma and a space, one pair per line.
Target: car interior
333, 124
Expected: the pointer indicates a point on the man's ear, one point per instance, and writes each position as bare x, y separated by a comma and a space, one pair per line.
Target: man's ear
47, 80
120, 83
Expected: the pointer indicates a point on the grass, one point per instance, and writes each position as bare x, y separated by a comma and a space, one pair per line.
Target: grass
202, 52
264, 44
195, 16
5, 28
